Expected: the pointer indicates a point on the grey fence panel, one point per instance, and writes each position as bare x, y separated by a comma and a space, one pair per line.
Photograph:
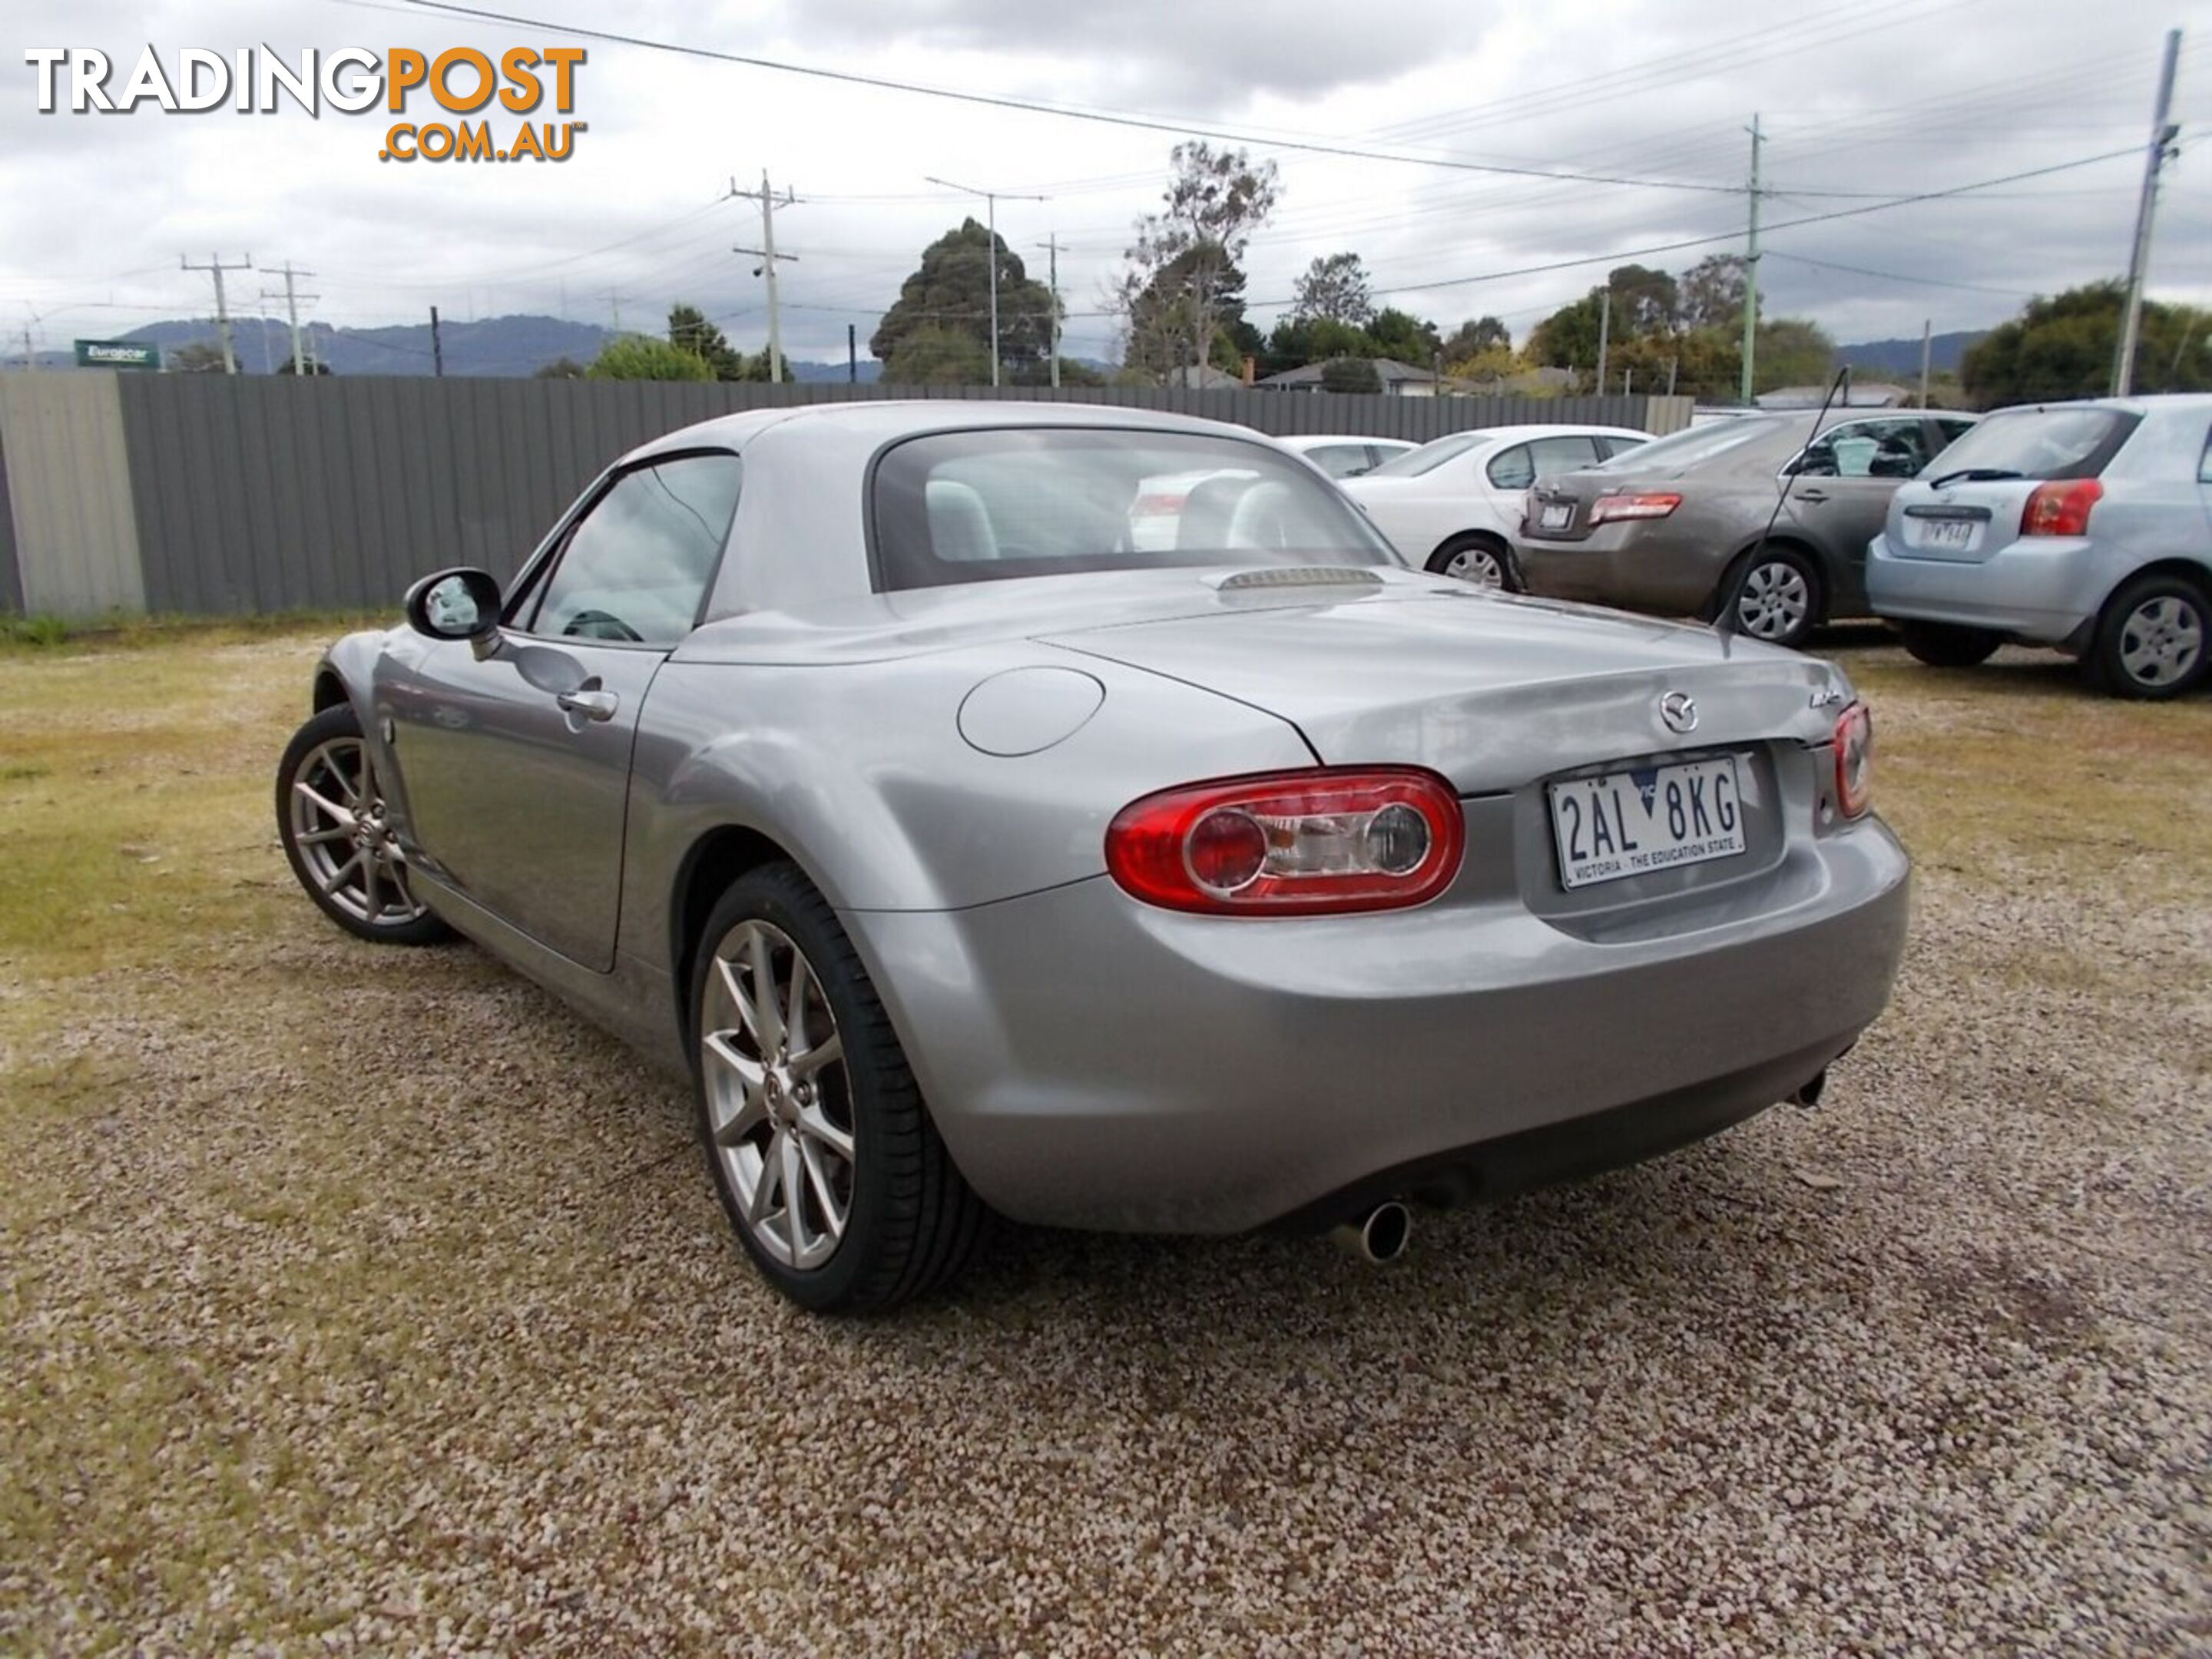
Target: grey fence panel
11, 572
272, 493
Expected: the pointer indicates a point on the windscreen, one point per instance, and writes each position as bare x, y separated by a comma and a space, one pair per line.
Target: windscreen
970, 507
2037, 443
1690, 447
1429, 457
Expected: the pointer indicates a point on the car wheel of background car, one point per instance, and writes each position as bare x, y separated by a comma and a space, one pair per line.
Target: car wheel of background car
331, 818
1475, 559
815, 1130
2151, 639
1945, 645
1776, 596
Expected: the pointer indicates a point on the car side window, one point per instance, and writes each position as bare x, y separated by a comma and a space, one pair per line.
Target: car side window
1953, 428
635, 567
1340, 460
1609, 448
1892, 448
1513, 468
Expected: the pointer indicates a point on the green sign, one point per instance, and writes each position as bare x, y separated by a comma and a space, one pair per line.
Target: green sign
118, 354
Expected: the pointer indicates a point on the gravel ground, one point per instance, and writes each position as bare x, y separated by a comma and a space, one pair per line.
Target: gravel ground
358, 1300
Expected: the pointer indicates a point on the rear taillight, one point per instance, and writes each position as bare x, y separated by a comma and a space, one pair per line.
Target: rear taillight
1644, 504
2060, 509
1854, 761
1312, 842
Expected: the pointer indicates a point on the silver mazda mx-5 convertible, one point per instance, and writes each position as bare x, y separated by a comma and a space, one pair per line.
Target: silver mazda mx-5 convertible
973, 852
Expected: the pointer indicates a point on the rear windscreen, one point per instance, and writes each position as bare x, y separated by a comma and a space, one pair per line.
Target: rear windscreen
1691, 447
987, 506
2037, 443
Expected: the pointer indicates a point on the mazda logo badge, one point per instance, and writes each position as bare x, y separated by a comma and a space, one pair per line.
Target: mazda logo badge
1680, 710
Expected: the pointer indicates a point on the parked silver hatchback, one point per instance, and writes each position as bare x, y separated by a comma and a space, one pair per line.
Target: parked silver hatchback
2086, 526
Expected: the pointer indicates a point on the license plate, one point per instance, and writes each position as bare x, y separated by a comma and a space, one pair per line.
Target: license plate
1555, 514
1947, 535
1646, 819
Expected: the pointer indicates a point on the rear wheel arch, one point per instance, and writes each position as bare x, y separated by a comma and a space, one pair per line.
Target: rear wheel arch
712, 862
1489, 541
2188, 570
330, 688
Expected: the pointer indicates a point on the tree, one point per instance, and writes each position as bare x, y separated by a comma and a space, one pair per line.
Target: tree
938, 356
1568, 337
2063, 346
642, 357
292, 366
1351, 374
1470, 339
1409, 339
1294, 344
689, 331
561, 368
199, 357
1335, 289
1160, 319
1214, 201
1712, 292
1487, 366
1791, 351
1645, 300
950, 291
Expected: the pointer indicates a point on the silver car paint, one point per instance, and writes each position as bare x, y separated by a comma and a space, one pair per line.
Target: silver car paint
1055, 1022
2049, 590
1676, 566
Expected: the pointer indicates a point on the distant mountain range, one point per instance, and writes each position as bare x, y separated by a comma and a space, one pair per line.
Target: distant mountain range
1899, 360
519, 345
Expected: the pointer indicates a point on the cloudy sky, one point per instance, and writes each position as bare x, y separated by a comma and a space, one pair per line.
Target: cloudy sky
1862, 105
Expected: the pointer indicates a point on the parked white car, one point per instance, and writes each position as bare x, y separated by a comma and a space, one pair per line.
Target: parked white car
1454, 506
1347, 455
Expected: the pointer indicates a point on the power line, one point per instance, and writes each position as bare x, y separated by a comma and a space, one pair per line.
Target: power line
1899, 277
1106, 118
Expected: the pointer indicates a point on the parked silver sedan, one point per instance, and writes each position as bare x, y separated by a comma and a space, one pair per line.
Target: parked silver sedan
859, 764
2083, 526
1681, 526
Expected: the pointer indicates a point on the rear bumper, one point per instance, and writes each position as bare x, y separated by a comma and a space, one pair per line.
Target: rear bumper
1619, 564
1093, 1062
2043, 589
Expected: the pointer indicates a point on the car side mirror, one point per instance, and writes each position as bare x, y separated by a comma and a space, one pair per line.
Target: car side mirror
457, 604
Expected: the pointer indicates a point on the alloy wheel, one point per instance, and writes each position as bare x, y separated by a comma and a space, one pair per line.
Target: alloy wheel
345, 840
1773, 601
2161, 641
779, 1100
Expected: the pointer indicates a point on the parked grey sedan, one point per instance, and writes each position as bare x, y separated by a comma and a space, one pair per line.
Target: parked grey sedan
2084, 526
967, 856
1680, 526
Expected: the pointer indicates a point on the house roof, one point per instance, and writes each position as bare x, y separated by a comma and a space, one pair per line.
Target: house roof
1862, 394
1388, 370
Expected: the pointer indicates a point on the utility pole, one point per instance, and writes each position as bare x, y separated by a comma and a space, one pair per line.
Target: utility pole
1604, 331
1751, 273
217, 267
1926, 346
437, 347
614, 307
1052, 245
31, 352
768, 256
990, 211
2163, 131
852, 355
292, 298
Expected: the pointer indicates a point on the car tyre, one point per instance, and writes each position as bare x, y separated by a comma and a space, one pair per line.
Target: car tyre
881, 1215
2153, 639
330, 820
1945, 645
1775, 595
1482, 560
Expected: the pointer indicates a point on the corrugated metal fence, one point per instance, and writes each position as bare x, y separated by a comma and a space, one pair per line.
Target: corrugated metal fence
219, 495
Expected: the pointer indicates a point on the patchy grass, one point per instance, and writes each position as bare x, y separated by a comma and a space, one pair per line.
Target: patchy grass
363, 1296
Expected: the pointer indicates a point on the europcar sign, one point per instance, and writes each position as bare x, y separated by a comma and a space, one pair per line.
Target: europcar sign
118, 354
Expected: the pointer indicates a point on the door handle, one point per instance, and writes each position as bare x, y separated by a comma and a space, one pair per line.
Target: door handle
592, 704
1816, 497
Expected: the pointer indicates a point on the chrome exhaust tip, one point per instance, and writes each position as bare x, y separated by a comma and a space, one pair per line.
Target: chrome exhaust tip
1381, 1235
1808, 1094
